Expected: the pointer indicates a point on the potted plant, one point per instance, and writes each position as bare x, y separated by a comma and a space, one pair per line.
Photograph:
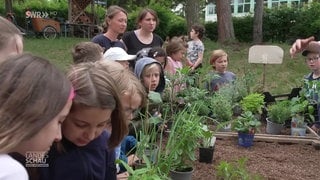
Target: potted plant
301, 113
278, 113
147, 132
253, 102
222, 110
183, 140
149, 171
246, 125
206, 148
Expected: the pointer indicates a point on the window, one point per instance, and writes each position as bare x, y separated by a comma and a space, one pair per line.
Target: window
211, 10
244, 6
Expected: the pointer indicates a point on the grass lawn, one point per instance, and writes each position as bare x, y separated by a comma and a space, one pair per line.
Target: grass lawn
280, 79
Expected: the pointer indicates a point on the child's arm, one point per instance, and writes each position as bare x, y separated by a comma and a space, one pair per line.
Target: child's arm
188, 62
198, 62
299, 45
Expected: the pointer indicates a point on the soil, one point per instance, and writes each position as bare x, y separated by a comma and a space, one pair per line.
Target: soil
269, 160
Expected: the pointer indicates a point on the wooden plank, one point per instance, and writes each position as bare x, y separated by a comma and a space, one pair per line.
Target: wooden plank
273, 138
271, 135
313, 132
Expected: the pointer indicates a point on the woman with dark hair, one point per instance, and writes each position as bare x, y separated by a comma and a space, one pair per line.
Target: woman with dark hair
143, 37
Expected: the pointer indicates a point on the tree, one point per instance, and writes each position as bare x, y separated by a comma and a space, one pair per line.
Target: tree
257, 22
8, 6
192, 12
224, 19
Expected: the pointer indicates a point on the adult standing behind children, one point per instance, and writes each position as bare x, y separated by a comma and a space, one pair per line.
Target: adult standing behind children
220, 76
35, 98
195, 47
116, 22
11, 41
144, 36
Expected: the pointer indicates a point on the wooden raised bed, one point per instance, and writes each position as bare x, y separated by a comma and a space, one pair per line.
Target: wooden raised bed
311, 138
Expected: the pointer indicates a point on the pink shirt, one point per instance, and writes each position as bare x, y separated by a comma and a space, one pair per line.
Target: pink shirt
174, 65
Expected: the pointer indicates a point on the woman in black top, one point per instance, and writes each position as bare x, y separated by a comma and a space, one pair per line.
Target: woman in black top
143, 37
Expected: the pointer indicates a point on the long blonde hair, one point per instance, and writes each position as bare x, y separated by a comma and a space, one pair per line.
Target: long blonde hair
112, 11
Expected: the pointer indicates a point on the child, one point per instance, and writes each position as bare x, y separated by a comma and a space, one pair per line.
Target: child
195, 47
312, 59
119, 55
220, 76
150, 73
11, 41
132, 97
159, 54
175, 51
86, 52
87, 149
299, 45
35, 98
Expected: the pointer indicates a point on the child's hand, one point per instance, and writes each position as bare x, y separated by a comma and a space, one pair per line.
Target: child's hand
299, 45
132, 159
189, 63
123, 175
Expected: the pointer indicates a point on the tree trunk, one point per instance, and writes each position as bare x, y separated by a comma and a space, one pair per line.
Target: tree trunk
8, 6
224, 19
257, 22
192, 12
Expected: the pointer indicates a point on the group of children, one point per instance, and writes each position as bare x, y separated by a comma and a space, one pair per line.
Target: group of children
75, 122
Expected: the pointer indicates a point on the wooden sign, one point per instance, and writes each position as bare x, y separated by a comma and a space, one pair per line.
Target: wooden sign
265, 54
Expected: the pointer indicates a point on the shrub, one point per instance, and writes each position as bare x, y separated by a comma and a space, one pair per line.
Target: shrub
253, 102
211, 31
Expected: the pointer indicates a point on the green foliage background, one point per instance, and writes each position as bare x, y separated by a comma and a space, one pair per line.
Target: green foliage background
279, 24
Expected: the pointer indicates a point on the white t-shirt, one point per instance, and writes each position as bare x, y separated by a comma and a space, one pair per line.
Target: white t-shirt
11, 169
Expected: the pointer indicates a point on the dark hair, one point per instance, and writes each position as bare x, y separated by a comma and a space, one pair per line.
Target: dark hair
32, 93
198, 29
158, 52
143, 13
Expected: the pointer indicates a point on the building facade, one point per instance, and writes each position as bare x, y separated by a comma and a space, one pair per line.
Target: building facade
241, 8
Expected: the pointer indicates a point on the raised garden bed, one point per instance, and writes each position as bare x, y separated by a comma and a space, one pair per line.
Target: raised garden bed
271, 156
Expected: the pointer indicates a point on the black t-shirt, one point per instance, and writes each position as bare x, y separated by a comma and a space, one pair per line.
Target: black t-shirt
106, 43
134, 45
